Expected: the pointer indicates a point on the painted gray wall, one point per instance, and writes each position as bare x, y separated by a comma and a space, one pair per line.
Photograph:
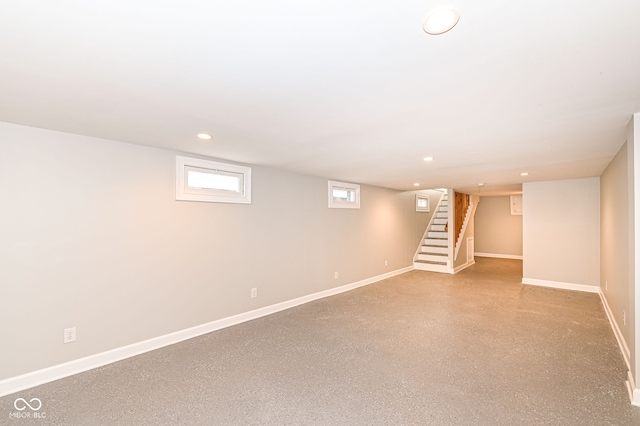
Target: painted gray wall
561, 231
633, 173
620, 190
91, 236
497, 230
616, 240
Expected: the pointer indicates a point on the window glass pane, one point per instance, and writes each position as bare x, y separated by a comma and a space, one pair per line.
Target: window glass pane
422, 202
341, 194
209, 181
218, 181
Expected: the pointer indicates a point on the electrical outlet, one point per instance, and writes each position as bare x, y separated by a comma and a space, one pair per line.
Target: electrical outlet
335, 276
69, 335
254, 293
386, 263
606, 285
624, 318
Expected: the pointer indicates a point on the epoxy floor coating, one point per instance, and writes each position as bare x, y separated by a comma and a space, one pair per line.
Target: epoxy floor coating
475, 348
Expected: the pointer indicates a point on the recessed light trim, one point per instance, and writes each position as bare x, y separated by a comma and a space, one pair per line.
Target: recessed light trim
524, 174
204, 136
416, 184
441, 20
428, 158
481, 184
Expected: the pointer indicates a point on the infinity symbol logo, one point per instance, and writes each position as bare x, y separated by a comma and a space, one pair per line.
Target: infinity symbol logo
26, 404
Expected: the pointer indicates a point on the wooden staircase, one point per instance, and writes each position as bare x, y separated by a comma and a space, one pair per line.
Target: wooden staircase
434, 252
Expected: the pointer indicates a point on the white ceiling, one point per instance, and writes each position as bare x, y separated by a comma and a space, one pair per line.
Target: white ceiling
350, 90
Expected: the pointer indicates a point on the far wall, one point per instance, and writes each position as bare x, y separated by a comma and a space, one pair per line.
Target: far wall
561, 231
498, 232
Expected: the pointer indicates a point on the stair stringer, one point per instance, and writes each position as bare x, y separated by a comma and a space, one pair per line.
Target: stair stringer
467, 217
426, 230
448, 268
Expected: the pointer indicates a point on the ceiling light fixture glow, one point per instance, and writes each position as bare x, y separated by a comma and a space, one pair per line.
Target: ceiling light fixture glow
428, 158
204, 136
441, 20
416, 184
481, 184
524, 174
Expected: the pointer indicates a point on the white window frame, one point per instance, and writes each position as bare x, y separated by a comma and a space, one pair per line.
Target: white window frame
423, 209
339, 204
184, 193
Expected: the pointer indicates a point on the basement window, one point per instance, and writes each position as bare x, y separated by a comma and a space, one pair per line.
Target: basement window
344, 195
422, 203
213, 182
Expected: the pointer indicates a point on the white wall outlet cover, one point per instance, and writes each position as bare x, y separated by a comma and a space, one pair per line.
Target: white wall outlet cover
69, 335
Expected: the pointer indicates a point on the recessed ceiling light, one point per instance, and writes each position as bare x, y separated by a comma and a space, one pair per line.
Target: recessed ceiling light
428, 158
481, 184
416, 184
205, 136
524, 174
441, 20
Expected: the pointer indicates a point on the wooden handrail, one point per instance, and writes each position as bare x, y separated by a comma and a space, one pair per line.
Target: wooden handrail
461, 207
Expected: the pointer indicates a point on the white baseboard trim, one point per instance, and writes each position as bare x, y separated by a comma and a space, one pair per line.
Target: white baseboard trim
49, 374
499, 256
465, 266
635, 399
626, 354
561, 285
634, 394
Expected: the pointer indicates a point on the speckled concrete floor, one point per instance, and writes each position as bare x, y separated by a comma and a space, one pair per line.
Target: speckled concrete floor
477, 348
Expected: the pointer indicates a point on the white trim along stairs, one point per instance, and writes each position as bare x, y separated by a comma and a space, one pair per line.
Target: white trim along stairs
433, 253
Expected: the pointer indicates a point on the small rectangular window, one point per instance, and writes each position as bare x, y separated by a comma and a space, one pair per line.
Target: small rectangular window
344, 195
422, 203
210, 181
214, 180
